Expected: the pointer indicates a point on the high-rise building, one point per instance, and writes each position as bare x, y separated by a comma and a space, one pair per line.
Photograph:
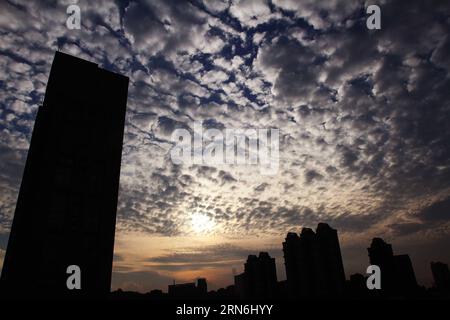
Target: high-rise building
313, 263
241, 285
66, 208
397, 272
381, 254
406, 282
202, 286
441, 275
301, 263
259, 279
331, 265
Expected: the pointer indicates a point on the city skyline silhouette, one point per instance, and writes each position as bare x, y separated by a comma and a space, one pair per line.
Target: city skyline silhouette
314, 270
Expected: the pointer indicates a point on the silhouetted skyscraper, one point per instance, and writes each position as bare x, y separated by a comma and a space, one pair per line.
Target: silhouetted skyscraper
381, 254
66, 208
441, 275
397, 272
259, 279
313, 263
301, 263
331, 265
202, 286
405, 277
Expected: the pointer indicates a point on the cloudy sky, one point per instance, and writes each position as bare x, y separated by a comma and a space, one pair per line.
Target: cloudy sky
363, 118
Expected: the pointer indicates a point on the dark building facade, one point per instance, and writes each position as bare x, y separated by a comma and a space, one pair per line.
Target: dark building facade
202, 286
313, 263
405, 277
330, 263
382, 255
441, 276
259, 279
188, 290
356, 286
301, 263
66, 208
397, 273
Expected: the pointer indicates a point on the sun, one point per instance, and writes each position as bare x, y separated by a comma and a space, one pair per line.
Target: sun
201, 223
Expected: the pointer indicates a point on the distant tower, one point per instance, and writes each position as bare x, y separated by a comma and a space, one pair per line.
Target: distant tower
291, 249
66, 209
259, 279
331, 265
313, 263
202, 286
301, 258
441, 275
381, 254
397, 272
405, 277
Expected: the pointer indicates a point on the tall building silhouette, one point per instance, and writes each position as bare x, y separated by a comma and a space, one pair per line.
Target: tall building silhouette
66, 208
202, 286
313, 263
404, 272
382, 255
441, 276
397, 272
259, 279
331, 265
300, 259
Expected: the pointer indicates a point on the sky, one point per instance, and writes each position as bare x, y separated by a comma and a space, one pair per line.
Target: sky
363, 118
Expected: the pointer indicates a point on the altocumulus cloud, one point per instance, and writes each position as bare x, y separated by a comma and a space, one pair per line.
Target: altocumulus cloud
363, 114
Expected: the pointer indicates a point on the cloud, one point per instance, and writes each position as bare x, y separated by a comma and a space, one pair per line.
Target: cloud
251, 13
290, 67
437, 212
164, 27
321, 14
223, 256
261, 187
406, 228
140, 281
312, 175
222, 253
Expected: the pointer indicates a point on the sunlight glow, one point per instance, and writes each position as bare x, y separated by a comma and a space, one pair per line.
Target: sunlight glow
201, 223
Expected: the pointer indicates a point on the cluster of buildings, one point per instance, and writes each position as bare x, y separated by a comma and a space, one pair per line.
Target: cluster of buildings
191, 289
313, 265
314, 269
